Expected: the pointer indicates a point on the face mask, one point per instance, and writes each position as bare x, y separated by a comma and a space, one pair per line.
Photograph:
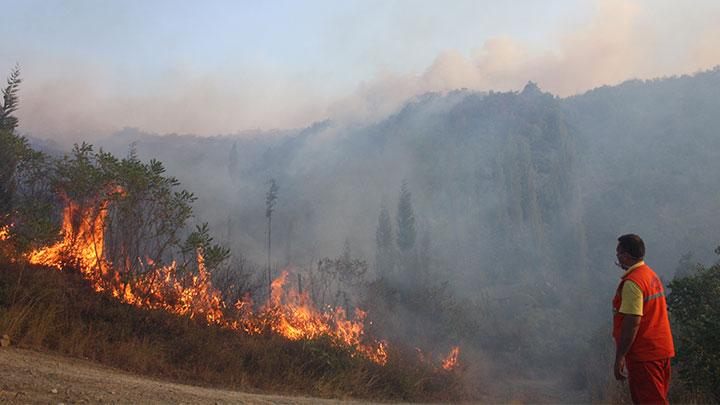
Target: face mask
620, 265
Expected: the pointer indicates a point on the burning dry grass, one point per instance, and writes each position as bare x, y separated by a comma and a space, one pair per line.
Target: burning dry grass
451, 361
56, 311
288, 313
167, 324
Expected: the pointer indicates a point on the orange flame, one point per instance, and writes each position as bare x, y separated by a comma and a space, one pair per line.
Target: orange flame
451, 361
290, 314
448, 363
293, 315
162, 288
81, 246
4, 233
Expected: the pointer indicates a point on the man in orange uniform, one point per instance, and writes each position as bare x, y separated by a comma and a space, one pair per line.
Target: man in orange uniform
640, 326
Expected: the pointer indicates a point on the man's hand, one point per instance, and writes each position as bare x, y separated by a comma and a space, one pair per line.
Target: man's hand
620, 372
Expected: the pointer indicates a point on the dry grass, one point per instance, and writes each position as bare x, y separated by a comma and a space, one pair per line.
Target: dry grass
43, 309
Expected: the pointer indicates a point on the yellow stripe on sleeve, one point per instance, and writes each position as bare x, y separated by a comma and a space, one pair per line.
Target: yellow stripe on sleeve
632, 299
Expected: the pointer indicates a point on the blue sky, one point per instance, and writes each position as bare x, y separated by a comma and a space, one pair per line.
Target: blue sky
324, 38
92, 67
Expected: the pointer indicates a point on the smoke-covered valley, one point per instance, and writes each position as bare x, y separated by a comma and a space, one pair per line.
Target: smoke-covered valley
485, 220
501, 182
395, 201
517, 199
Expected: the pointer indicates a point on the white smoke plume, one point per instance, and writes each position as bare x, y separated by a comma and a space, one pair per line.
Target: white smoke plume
71, 100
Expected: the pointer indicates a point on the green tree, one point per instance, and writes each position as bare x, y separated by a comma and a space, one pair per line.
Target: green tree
214, 254
12, 147
406, 232
270, 201
147, 213
26, 198
34, 201
150, 214
8, 121
694, 305
384, 246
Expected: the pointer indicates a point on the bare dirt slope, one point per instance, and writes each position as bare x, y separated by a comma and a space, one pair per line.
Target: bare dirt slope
31, 377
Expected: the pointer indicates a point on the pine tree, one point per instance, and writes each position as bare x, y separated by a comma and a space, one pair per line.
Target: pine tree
384, 248
406, 232
12, 146
8, 122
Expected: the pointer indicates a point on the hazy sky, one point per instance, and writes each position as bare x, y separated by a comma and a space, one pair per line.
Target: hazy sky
93, 67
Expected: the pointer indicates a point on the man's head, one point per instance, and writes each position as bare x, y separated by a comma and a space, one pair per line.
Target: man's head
630, 250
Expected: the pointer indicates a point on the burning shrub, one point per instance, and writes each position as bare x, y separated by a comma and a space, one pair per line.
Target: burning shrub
292, 314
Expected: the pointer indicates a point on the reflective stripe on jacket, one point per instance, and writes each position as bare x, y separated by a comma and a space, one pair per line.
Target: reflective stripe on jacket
654, 339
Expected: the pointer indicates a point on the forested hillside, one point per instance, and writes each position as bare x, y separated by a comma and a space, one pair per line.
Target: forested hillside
478, 164
649, 149
476, 224
498, 205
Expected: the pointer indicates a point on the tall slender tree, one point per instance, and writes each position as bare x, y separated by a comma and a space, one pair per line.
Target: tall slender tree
270, 201
8, 122
384, 246
11, 145
406, 232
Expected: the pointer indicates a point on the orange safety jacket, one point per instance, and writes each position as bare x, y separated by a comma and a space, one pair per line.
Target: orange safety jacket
654, 339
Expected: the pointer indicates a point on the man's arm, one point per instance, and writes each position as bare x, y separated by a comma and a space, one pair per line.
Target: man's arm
628, 331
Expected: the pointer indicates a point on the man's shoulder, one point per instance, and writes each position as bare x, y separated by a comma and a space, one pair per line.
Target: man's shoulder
643, 269
639, 275
645, 278
649, 272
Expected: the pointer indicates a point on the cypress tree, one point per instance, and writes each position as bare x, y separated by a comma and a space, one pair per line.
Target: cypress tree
406, 232
384, 243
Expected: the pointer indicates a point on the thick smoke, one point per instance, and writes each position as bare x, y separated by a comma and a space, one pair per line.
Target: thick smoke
518, 196
83, 102
81, 99
622, 40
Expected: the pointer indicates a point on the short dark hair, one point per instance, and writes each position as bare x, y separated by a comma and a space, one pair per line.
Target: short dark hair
633, 245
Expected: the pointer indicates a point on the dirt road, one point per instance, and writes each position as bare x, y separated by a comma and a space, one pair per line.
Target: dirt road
32, 377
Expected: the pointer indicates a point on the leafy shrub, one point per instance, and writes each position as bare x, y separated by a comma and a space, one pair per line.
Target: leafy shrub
694, 305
